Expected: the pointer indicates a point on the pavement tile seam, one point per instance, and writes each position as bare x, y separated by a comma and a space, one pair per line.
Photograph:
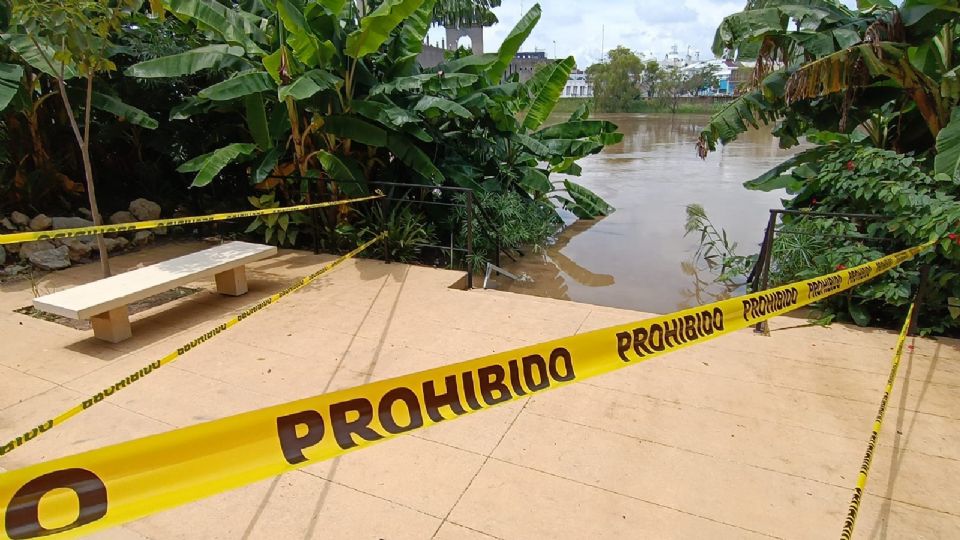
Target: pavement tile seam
736, 462
480, 468
806, 391
374, 495
763, 420
633, 497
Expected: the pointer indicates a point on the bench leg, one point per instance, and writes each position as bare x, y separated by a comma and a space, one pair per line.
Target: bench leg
112, 326
232, 282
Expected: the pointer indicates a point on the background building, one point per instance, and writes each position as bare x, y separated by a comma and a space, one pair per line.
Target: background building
577, 85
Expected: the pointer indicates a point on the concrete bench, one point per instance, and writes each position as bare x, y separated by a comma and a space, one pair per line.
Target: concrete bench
105, 301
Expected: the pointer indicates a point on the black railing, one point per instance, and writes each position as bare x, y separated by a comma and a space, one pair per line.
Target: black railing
473, 211
759, 278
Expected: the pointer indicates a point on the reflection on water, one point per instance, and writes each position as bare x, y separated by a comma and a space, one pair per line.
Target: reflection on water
634, 258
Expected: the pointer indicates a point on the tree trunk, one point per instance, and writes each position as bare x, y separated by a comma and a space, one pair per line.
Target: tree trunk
88, 173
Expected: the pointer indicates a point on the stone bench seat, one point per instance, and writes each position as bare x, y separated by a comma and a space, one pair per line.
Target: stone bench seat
105, 301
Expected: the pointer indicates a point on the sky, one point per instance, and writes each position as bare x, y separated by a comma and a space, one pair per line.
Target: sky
580, 27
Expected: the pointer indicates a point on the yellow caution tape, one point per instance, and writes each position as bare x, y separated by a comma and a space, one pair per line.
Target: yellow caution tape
174, 355
126, 481
854, 509
57, 234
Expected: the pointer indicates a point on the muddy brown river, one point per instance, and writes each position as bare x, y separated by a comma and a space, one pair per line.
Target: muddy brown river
637, 257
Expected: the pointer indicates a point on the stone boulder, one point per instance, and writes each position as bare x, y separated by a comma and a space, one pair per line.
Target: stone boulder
3, 256
20, 219
7, 224
57, 258
40, 222
144, 209
85, 213
113, 244
142, 238
29, 248
122, 217
79, 250
71, 222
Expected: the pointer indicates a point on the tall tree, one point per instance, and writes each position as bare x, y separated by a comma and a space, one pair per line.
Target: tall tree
616, 83
71, 38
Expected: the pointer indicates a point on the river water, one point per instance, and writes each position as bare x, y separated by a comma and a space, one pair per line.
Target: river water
638, 257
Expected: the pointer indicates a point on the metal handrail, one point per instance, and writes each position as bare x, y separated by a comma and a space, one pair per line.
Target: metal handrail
469, 205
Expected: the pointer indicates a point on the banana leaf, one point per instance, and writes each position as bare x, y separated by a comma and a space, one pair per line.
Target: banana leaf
585, 204
255, 113
414, 158
346, 170
25, 48
577, 129
434, 106
376, 27
348, 127
185, 63
10, 75
125, 112
408, 42
208, 166
308, 84
387, 114
244, 84
511, 44
306, 46
220, 19
546, 86
947, 160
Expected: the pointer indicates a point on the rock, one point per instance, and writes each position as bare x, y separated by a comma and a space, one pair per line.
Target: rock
85, 213
160, 231
15, 269
20, 219
40, 222
29, 248
70, 222
51, 259
7, 224
13, 248
113, 244
145, 210
78, 249
142, 238
3, 255
122, 217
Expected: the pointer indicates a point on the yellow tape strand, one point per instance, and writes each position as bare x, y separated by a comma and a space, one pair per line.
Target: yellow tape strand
55, 234
130, 480
854, 509
174, 355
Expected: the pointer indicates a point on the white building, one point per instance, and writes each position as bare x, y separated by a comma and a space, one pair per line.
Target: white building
577, 85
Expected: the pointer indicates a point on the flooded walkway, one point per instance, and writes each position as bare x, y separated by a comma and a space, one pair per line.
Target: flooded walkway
744, 436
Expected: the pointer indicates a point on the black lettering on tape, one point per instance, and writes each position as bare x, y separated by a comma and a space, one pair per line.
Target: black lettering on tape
558, 356
536, 361
515, 378
470, 392
385, 410
491, 380
22, 518
343, 429
291, 444
623, 345
432, 401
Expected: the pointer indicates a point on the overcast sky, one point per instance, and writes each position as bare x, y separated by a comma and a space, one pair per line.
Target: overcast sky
578, 26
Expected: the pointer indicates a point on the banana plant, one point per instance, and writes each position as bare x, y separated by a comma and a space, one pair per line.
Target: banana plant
333, 95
